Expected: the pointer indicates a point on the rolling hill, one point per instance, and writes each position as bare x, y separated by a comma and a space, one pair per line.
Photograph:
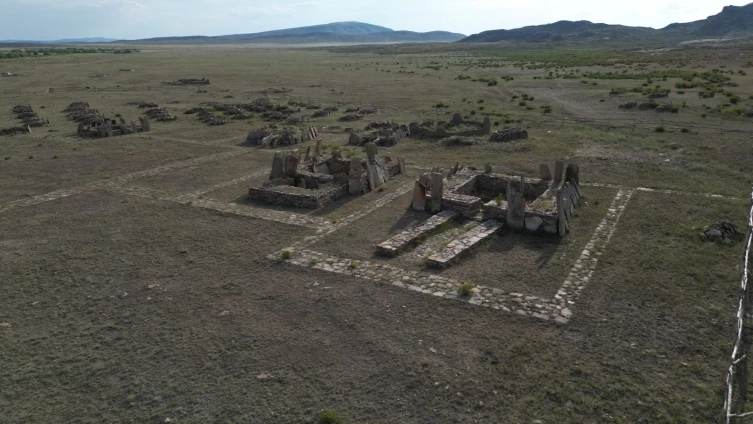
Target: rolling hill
337, 32
731, 21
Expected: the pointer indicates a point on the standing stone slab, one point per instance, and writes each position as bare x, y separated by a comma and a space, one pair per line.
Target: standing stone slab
277, 167
544, 172
373, 177
318, 149
572, 173
516, 208
558, 171
291, 165
437, 191
355, 186
354, 139
401, 163
561, 219
488, 168
419, 197
371, 150
308, 154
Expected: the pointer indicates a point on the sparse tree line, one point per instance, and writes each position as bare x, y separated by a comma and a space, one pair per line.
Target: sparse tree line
36, 52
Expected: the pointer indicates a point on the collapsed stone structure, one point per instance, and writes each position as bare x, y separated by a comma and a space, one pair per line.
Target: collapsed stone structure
109, 127
80, 112
28, 118
543, 206
188, 81
509, 134
312, 183
456, 127
287, 136
160, 114
209, 118
386, 134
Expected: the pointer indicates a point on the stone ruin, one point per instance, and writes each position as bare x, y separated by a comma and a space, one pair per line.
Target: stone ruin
188, 81
386, 134
208, 117
722, 232
160, 114
509, 134
80, 112
456, 127
105, 127
288, 136
28, 117
543, 206
312, 182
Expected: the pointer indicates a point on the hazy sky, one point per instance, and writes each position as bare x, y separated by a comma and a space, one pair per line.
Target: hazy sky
54, 19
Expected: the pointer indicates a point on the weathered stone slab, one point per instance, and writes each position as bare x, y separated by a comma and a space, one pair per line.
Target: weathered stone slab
277, 167
516, 208
419, 197
558, 171
533, 223
463, 245
409, 238
572, 173
544, 173
371, 150
437, 191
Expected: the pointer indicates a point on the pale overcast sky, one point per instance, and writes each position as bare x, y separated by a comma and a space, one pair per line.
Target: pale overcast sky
129, 19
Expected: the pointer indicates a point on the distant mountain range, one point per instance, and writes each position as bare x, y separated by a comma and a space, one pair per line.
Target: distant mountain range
337, 32
65, 40
732, 21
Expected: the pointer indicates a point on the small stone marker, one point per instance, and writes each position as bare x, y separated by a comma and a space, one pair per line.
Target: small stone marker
488, 168
401, 163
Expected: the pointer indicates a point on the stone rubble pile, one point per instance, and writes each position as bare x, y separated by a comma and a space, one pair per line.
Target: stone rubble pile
209, 118
28, 117
385, 136
722, 231
80, 112
509, 134
189, 81
160, 114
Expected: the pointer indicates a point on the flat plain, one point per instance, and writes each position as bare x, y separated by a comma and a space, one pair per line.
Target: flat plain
138, 284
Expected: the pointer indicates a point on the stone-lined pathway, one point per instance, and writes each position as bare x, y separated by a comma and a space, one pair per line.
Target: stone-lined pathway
557, 309
317, 223
200, 192
464, 244
411, 237
660, 190
59, 194
585, 266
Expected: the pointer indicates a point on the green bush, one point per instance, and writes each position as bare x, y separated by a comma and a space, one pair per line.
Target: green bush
286, 254
329, 417
659, 129
466, 289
